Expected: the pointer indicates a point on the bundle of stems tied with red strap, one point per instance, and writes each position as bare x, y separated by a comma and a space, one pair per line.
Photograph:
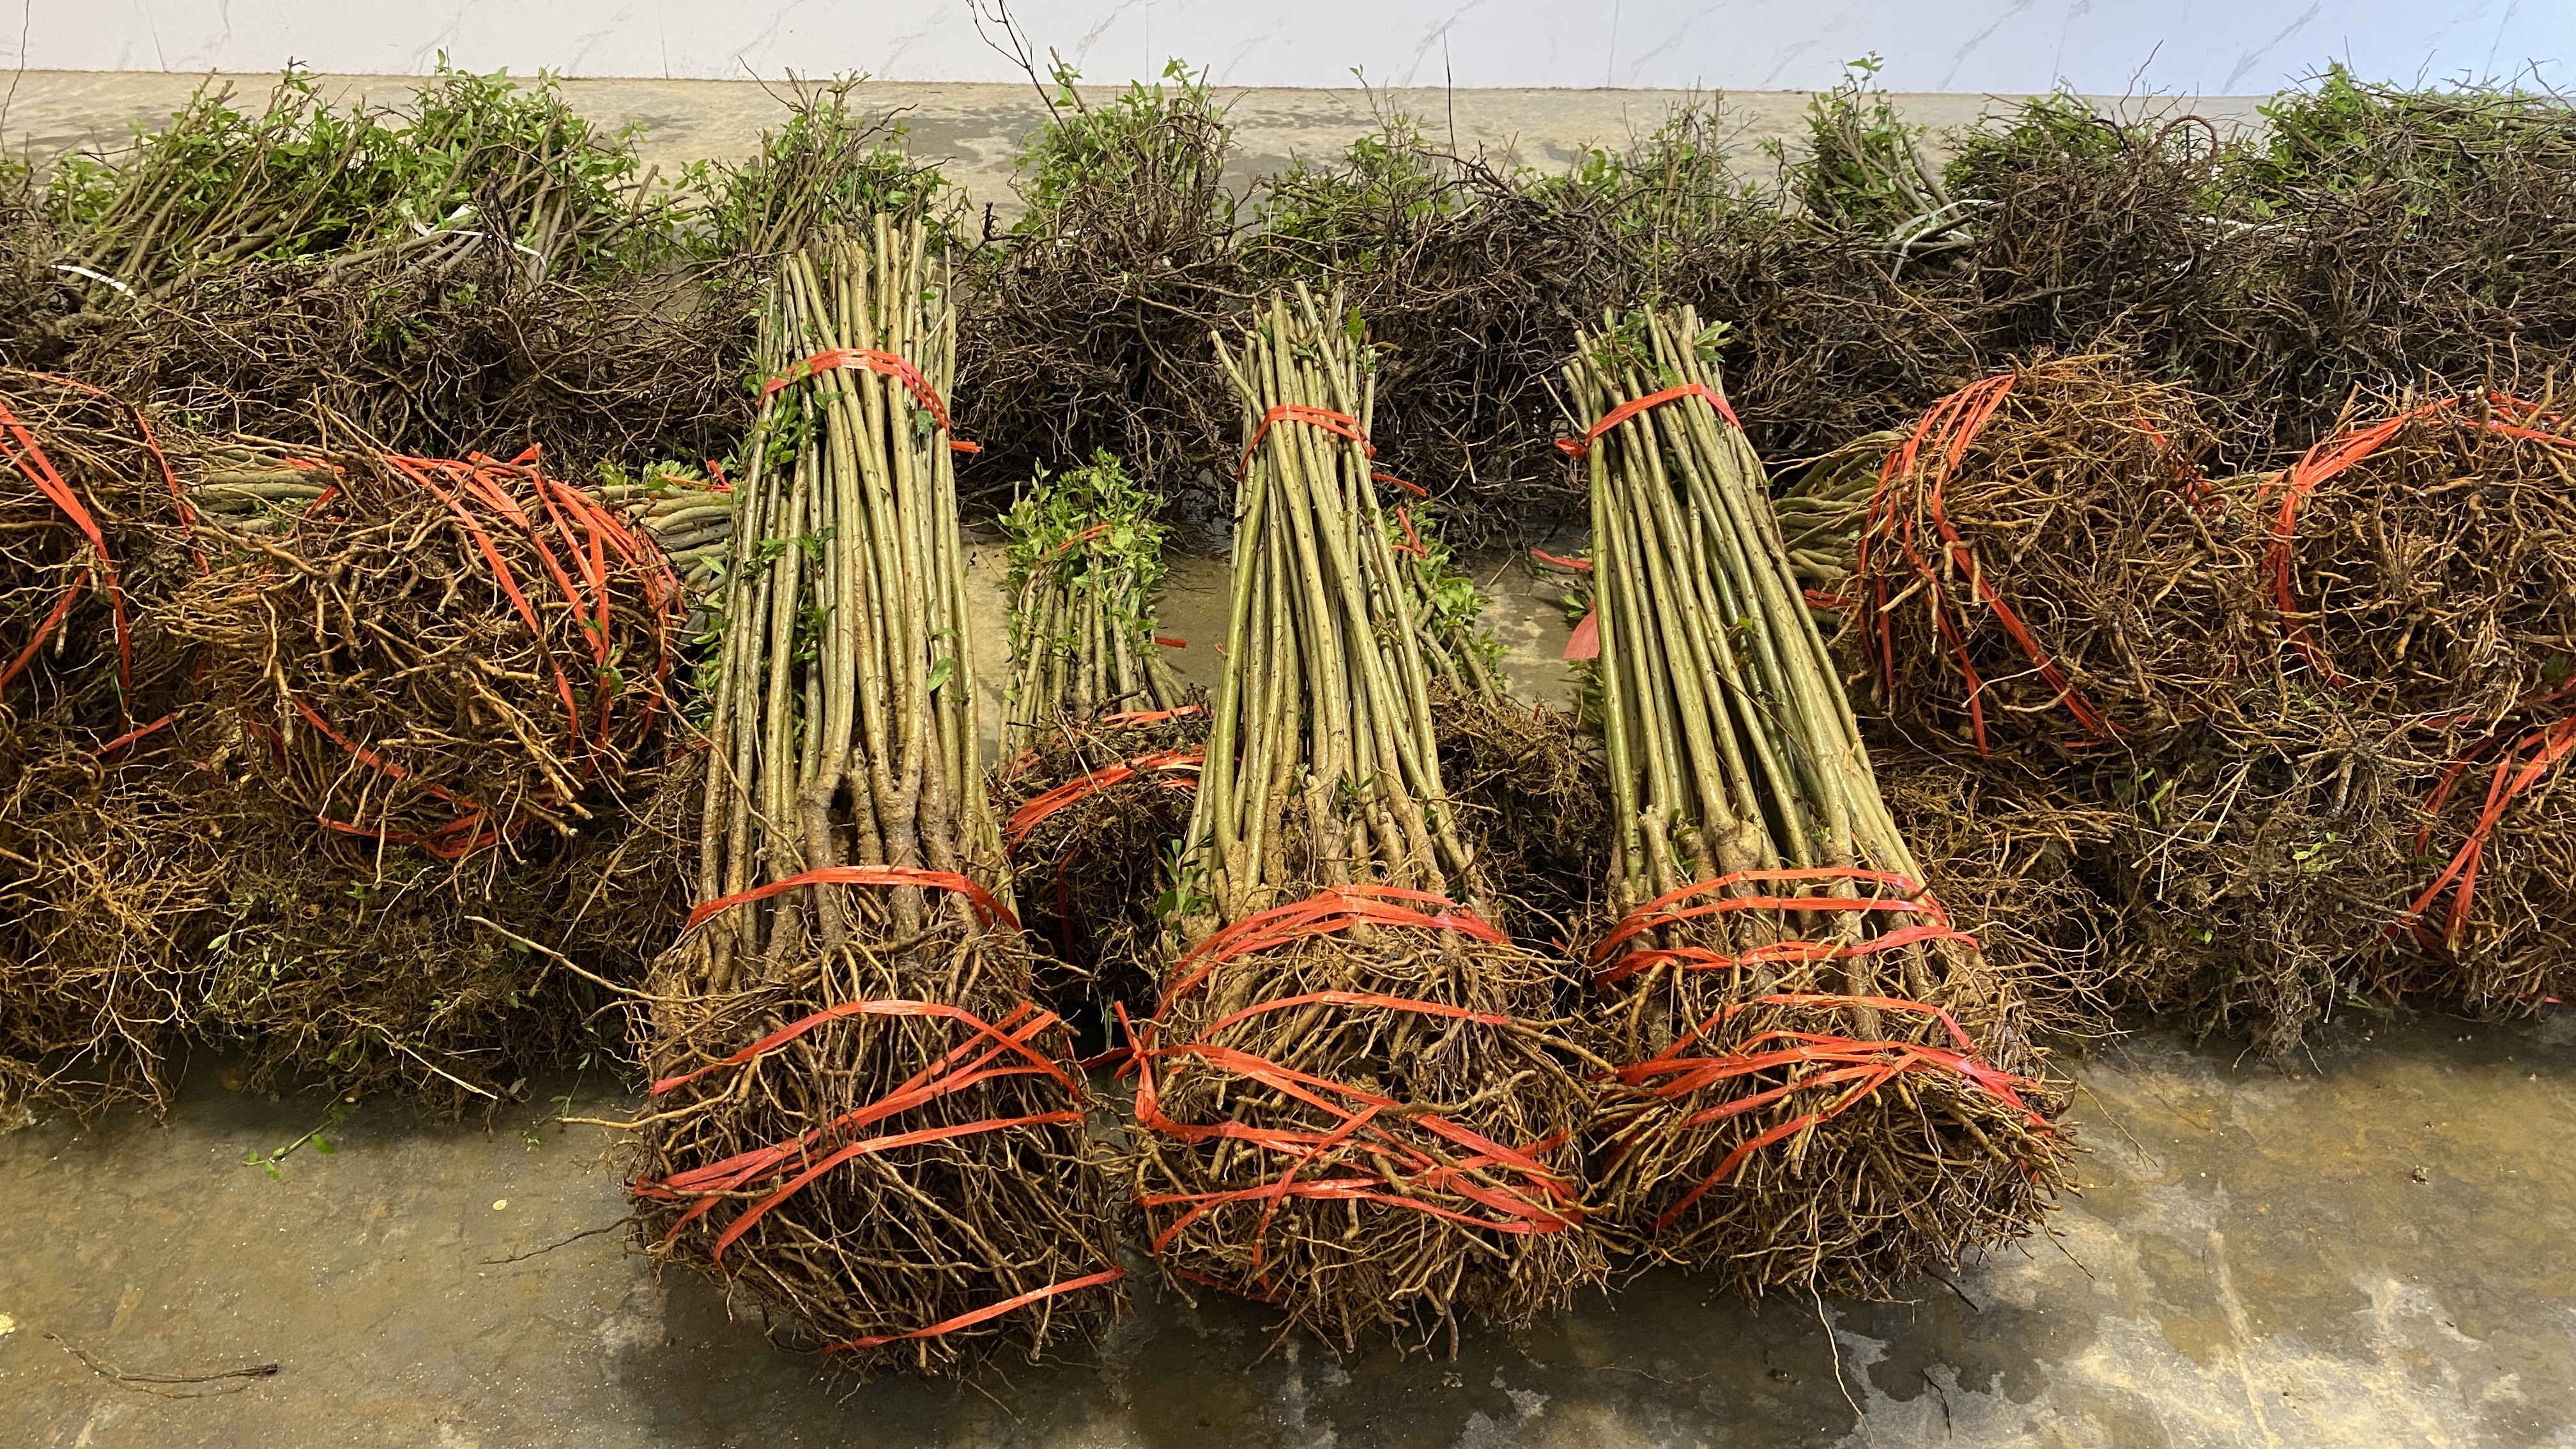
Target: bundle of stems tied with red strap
1352, 1102
857, 1113
445, 655
2422, 561
92, 540
1102, 742
1820, 1082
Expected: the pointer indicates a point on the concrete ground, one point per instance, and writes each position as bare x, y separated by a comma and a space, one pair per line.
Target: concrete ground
2375, 1245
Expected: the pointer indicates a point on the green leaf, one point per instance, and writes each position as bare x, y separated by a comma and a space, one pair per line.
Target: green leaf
940, 671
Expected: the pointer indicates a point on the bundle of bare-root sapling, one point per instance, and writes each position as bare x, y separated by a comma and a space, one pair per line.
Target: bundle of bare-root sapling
1351, 1103
437, 654
106, 859
1102, 746
2043, 564
2424, 562
1823, 1085
2424, 566
442, 689
2049, 587
857, 1113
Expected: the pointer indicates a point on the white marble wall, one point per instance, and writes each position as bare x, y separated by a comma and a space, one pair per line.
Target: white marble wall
2193, 47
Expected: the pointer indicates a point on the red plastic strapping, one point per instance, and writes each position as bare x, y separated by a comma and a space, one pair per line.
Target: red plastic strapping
2514, 776
2324, 462
129, 737
20, 447
1412, 541
1031, 815
987, 909
1155, 716
439, 842
1948, 428
1582, 447
468, 489
968, 1320
1672, 908
1858, 1066
967, 1064
887, 364
1339, 424
1538, 1200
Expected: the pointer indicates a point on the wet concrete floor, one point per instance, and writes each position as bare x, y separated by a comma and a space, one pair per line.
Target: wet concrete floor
2377, 1246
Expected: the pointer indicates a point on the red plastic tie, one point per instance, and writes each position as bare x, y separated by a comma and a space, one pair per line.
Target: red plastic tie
967, 1064
987, 909
1031, 815
21, 448
1949, 427
589, 533
2513, 778
968, 1320
1579, 448
1863, 1063
1154, 716
1339, 424
1540, 1199
887, 364
2329, 459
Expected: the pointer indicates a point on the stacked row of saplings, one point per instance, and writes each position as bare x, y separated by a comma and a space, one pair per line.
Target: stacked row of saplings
1356, 1099
317, 749
300, 779
2298, 735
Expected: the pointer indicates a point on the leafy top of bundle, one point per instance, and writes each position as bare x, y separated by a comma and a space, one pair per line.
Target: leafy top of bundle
1084, 518
304, 179
1156, 147
1318, 217
828, 165
2347, 136
1864, 167
1087, 533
